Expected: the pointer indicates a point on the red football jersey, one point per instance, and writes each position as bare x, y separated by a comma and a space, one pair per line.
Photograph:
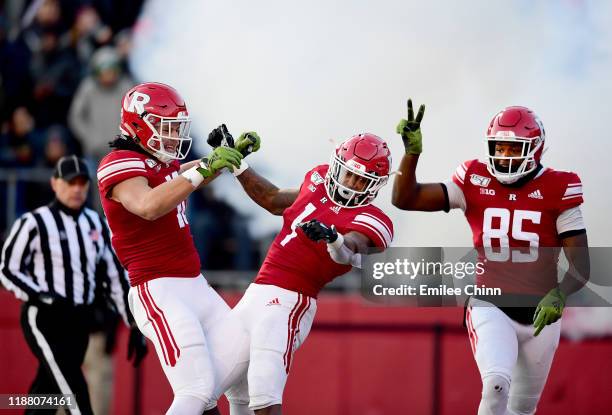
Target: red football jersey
147, 249
296, 263
510, 223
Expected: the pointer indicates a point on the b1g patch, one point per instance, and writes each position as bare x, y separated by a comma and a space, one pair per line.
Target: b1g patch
481, 181
316, 178
151, 163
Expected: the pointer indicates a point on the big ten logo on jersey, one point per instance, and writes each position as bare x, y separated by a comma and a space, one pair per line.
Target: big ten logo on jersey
488, 192
181, 207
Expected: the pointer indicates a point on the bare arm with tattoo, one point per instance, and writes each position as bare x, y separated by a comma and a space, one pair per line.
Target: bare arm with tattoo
266, 194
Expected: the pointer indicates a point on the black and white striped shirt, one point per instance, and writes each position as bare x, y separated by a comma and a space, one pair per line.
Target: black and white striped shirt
64, 253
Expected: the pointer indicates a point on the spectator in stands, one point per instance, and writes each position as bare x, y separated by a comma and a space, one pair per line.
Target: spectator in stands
22, 142
87, 34
123, 44
55, 72
15, 84
93, 112
57, 144
41, 17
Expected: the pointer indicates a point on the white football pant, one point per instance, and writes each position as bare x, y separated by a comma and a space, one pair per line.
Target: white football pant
202, 347
513, 364
277, 322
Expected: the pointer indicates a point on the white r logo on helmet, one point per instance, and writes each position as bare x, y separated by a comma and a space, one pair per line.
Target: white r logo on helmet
137, 102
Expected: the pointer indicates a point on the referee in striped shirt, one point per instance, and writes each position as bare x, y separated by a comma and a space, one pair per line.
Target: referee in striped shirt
56, 258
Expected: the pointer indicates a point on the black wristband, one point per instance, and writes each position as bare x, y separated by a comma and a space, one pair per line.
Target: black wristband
446, 199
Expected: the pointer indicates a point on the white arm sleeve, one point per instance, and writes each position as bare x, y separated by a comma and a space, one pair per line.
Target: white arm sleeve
456, 199
570, 220
342, 254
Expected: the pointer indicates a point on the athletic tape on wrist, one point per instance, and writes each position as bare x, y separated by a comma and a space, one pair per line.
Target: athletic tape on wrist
243, 166
193, 176
337, 244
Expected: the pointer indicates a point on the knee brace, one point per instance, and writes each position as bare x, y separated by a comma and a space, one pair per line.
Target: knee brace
495, 392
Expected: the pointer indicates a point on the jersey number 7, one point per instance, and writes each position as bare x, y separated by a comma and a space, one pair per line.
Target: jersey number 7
299, 218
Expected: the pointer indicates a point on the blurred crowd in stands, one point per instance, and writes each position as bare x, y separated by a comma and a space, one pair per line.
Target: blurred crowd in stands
63, 72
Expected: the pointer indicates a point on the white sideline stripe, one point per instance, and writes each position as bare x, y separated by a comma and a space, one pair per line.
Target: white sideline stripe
381, 222
46, 349
110, 163
120, 166
571, 197
121, 172
377, 224
573, 190
365, 225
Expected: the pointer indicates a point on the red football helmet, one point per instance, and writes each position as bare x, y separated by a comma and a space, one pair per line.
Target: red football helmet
515, 125
358, 169
155, 116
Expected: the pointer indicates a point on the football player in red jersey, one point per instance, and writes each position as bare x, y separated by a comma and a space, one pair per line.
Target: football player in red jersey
143, 189
333, 204
514, 206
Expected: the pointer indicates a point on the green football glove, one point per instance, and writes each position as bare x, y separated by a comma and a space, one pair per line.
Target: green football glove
549, 309
410, 130
248, 143
221, 157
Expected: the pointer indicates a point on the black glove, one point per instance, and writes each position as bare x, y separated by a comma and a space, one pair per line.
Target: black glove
318, 231
248, 142
220, 137
137, 346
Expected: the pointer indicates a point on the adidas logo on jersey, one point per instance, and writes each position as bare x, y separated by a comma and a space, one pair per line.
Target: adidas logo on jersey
273, 302
536, 194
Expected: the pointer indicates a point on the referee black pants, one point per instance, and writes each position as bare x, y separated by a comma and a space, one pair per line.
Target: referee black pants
58, 337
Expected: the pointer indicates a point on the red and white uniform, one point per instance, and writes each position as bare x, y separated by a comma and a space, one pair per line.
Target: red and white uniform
509, 224
147, 249
279, 307
507, 221
292, 256
172, 303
